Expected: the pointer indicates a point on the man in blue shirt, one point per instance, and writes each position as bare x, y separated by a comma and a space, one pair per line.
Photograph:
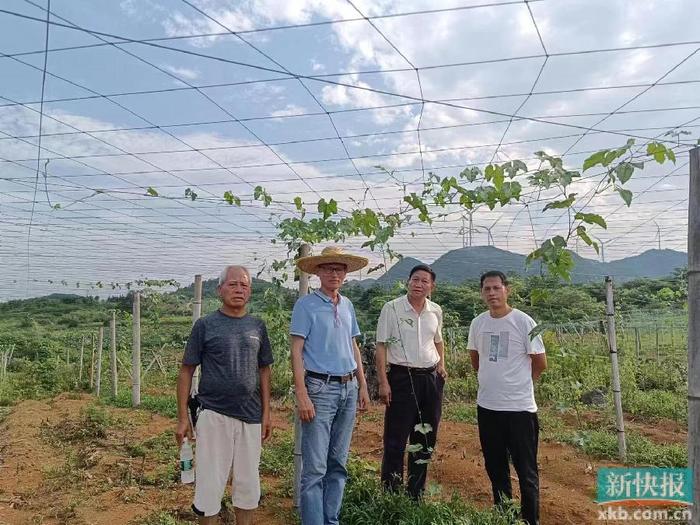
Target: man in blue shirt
329, 382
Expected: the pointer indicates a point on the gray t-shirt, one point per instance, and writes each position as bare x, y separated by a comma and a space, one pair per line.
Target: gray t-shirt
230, 351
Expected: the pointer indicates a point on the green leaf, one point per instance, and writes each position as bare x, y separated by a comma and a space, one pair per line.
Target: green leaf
591, 218
414, 448
537, 330
539, 295
626, 195
556, 205
298, 203
231, 198
423, 428
57, 206
471, 174
596, 158
151, 191
624, 172
583, 235
671, 155
191, 194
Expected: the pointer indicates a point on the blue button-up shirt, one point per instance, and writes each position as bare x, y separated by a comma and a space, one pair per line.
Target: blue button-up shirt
327, 330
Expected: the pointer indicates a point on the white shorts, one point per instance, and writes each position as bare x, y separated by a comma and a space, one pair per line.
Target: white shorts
226, 446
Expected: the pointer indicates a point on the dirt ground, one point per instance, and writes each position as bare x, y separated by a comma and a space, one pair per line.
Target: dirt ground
35, 487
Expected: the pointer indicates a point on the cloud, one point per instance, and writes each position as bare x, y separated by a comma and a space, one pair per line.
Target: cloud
183, 72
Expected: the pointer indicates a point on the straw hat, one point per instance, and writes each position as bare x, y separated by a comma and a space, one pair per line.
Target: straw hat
330, 255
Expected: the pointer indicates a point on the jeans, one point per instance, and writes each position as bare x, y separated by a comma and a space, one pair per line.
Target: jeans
516, 434
325, 444
409, 394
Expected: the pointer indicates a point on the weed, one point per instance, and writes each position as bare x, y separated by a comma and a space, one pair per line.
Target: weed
366, 502
461, 412
163, 405
165, 518
90, 427
602, 444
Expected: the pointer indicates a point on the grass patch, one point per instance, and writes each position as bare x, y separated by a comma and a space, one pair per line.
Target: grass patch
656, 404
165, 518
460, 412
366, 502
163, 405
461, 388
602, 444
277, 457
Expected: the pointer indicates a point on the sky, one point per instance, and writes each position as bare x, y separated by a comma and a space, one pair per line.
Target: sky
310, 98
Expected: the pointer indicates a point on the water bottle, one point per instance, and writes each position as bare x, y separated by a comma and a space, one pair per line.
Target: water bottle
186, 462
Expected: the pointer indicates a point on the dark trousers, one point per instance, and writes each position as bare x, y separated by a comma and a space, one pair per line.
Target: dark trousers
516, 434
400, 419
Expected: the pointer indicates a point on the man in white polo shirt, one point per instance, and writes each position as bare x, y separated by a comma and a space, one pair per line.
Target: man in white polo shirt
409, 340
507, 361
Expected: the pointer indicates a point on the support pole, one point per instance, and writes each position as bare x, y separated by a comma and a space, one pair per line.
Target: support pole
113, 353
80, 368
612, 345
694, 330
136, 351
304, 251
92, 363
98, 367
196, 314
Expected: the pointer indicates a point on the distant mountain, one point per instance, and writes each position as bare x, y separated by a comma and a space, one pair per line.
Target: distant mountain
465, 264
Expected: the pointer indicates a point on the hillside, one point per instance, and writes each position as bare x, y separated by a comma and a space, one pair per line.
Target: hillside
465, 264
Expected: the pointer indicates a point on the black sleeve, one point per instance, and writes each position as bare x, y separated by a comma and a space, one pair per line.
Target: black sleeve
265, 354
195, 345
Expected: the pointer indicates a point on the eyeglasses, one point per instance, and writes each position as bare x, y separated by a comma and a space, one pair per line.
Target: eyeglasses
336, 270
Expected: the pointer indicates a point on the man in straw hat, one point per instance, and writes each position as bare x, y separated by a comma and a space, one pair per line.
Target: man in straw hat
329, 382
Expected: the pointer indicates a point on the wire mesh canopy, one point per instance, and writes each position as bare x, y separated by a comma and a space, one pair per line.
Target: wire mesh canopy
123, 124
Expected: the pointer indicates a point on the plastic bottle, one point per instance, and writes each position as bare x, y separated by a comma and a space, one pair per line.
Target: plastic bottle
186, 462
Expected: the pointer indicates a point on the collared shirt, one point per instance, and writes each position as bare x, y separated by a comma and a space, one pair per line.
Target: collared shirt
327, 329
410, 337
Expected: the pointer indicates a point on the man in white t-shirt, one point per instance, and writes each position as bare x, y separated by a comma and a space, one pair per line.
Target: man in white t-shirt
409, 340
507, 360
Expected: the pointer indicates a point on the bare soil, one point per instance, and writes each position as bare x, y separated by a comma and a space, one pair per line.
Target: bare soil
37, 487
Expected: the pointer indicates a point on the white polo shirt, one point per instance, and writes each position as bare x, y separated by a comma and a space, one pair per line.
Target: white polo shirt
410, 337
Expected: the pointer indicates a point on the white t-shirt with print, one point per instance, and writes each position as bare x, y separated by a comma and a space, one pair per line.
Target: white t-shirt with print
505, 366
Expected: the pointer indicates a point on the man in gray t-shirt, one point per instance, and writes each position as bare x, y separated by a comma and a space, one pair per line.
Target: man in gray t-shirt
234, 353
230, 351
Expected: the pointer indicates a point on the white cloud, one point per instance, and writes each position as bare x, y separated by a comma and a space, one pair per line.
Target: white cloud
290, 109
184, 72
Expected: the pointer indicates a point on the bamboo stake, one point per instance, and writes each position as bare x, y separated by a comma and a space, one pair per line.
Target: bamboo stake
80, 369
98, 372
617, 392
113, 353
136, 352
304, 251
196, 314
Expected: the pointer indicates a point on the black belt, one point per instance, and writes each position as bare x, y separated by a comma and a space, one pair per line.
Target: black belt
337, 379
413, 369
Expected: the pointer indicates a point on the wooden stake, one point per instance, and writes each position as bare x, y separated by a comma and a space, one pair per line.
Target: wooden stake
617, 392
